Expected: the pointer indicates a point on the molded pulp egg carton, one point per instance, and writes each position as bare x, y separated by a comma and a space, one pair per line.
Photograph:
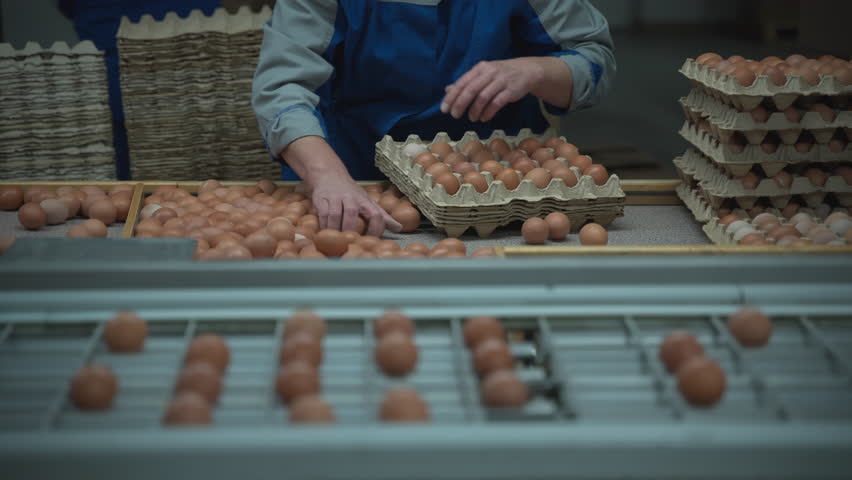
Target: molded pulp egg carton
728, 90
498, 206
725, 121
740, 163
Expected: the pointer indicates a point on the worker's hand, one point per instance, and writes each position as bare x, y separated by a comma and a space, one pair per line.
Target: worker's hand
490, 86
339, 203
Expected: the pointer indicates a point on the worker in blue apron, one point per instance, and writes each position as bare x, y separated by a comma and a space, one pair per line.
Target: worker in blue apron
98, 21
335, 76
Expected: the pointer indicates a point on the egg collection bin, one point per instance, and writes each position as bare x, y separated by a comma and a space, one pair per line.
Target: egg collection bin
586, 346
497, 206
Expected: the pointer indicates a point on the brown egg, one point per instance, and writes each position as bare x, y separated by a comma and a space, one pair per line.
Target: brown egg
11, 198
403, 405
677, 348
472, 147
491, 166
32, 216
530, 145
55, 210
776, 76
188, 408
464, 168
331, 243
106, 212
484, 252
453, 159
551, 165
559, 225
396, 354
125, 332
745, 76
210, 348
504, 389
783, 179
844, 75
297, 379
453, 245
491, 355
542, 155
368, 242
201, 378
750, 327
781, 231
535, 231
387, 245
568, 151
593, 234
816, 176
824, 111
598, 174
301, 347
523, 165
417, 247
499, 146
261, 244
729, 219
80, 231
281, 229
753, 239
478, 329
305, 320
6, 242
701, 381
582, 162
393, 321
72, 203
450, 183
809, 76
566, 175
539, 177
441, 148
310, 409
510, 178
121, 201
425, 160
407, 216
93, 388
477, 180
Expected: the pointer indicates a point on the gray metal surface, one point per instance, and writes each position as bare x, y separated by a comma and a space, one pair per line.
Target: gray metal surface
586, 336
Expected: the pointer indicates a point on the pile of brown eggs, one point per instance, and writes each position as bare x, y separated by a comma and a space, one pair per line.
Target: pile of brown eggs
493, 362
556, 226
800, 230
530, 159
779, 70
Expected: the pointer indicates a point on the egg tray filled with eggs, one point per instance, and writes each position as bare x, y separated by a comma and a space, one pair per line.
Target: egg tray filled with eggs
824, 124
745, 84
483, 185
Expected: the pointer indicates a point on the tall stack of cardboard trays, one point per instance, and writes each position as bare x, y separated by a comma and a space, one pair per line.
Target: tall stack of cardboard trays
186, 86
56, 121
773, 154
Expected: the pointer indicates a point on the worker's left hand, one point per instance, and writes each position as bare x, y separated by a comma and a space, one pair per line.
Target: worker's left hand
490, 86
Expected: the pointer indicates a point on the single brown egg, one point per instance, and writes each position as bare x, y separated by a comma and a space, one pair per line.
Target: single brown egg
598, 174
782, 231
305, 320
453, 159
80, 231
530, 145
816, 176
389, 202
261, 244
393, 321
72, 203
450, 183
492, 354
728, 219
56, 211
491, 166
477, 180
510, 178
441, 148
106, 212
310, 409
566, 175
504, 389
745, 76
543, 154
568, 151
478, 329
553, 142
188, 408
539, 177
582, 162
301, 347
472, 147
808, 75
551, 165
93, 388
452, 244
281, 229
523, 165
407, 216
535, 231
677, 348
464, 168
11, 198
593, 234
750, 327
125, 332
500, 147
6, 242
484, 252
418, 248
754, 238
201, 378
396, 354
425, 160
701, 381
331, 243
297, 379
32, 216
403, 405
210, 348
559, 225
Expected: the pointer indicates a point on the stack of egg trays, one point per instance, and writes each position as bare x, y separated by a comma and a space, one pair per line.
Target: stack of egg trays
497, 206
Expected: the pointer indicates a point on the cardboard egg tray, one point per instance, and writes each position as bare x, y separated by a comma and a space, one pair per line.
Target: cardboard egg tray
726, 121
728, 90
741, 163
498, 206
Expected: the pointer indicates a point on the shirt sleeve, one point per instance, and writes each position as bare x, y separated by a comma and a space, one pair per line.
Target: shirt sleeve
290, 70
585, 45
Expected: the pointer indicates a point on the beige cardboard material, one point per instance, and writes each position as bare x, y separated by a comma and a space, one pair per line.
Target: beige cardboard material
245, 20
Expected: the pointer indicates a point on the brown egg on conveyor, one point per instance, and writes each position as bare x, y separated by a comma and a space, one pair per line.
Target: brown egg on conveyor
96, 228
478, 329
121, 201
535, 231
403, 405
484, 252
104, 211
441, 148
393, 321
330, 243
125, 332
417, 247
396, 354
93, 388
701, 381
11, 198
72, 203
559, 225
492, 354
297, 379
6, 242
389, 202
32, 216
55, 209
188, 409
261, 244
407, 216
452, 244
504, 389
201, 378
301, 347
593, 234
305, 320
78, 231
211, 348
310, 409
751, 327
677, 348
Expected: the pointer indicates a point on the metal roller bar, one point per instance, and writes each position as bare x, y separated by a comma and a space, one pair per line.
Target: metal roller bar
668, 396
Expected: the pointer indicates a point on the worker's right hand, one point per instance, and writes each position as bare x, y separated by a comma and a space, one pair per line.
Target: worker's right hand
339, 203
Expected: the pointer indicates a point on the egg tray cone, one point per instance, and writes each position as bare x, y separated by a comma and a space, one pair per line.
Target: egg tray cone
172, 25
484, 212
741, 163
728, 90
726, 121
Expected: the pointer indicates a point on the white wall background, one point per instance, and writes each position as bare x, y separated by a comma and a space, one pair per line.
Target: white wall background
35, 20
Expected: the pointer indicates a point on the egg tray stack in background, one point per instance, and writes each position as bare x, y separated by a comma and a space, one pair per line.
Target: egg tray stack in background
497, 206
789, 142
186, 85
56, 120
